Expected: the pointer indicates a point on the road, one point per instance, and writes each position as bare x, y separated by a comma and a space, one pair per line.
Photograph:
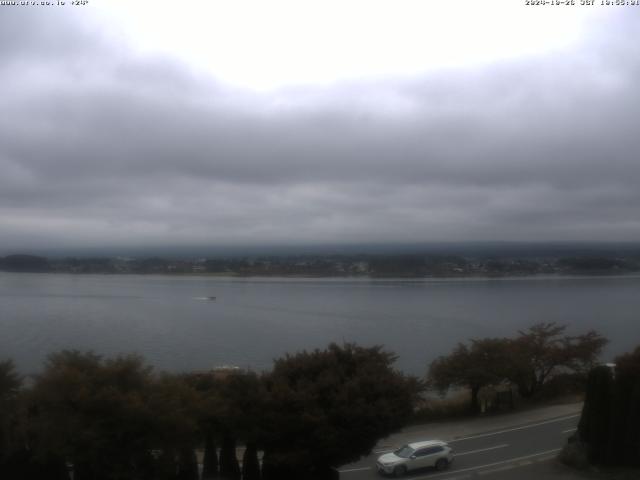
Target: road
486, 453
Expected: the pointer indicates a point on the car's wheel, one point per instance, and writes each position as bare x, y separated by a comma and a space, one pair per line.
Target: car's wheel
442, 463
400, 471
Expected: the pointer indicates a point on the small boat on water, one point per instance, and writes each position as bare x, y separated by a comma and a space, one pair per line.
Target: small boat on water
206, 299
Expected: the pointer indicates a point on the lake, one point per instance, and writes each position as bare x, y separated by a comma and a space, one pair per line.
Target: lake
170, 322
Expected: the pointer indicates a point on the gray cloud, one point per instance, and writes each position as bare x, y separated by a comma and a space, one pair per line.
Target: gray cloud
101, 146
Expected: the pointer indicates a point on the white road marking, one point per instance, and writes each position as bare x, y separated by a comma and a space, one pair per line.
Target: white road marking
354, 470
498, 469
570, 430
469, 469
524, 427
481, 450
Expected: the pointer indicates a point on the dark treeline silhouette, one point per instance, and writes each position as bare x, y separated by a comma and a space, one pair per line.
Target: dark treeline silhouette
415, 265
539, 355
115, 418
24, 263
609, 428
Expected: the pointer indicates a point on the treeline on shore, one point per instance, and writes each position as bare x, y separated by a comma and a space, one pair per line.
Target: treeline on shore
540, 361
401, 265
116, 418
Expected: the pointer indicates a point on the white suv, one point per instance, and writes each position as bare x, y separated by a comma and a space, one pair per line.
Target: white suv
432, 453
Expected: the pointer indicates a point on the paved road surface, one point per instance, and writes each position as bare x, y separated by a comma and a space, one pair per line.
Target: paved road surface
486, 453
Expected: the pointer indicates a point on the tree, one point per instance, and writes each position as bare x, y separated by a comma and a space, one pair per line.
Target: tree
208, 418
93, 412
210, 459
250, 463
104, 415
329, 407
187, 464
625, 431
595, 422
241, 405
610, 422
527, 361
478, 365
542, 351
174, 431
24, 263
10, 383
229, 466
231, 405
18, 458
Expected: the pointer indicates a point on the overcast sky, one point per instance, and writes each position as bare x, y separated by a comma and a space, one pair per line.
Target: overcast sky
238, 123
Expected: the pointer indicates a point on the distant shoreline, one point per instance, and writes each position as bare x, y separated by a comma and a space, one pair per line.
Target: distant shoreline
413, 266
541, 276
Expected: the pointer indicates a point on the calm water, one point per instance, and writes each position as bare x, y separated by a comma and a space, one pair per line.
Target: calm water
253, 321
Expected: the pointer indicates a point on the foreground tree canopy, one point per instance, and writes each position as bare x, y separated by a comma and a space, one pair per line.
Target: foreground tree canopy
330, 407
106, 416
610, 423
10, 384
528, 361
118, 419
